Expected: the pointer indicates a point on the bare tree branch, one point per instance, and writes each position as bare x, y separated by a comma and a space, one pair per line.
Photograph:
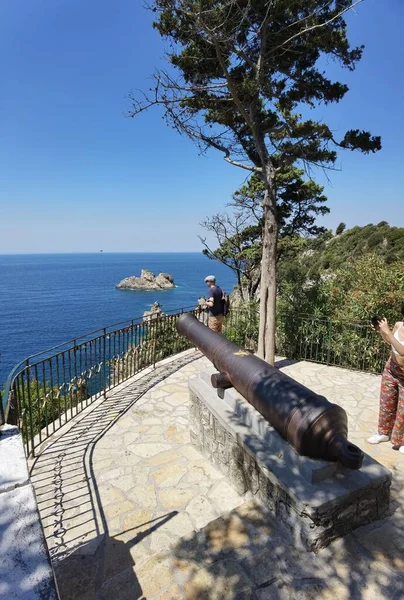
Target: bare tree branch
317, 26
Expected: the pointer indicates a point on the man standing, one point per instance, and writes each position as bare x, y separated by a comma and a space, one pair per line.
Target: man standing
214, 303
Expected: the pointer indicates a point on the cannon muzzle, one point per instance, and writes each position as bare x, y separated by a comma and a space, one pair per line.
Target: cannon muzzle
309, 422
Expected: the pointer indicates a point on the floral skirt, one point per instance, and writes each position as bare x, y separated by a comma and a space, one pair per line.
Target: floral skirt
391, 414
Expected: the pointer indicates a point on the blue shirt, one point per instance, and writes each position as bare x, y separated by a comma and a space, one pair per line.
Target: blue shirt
216, 293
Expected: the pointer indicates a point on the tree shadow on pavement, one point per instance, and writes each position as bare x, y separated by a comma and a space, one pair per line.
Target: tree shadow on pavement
249, 555
110, 573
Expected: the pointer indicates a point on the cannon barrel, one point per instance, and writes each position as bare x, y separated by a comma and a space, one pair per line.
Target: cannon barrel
309, 422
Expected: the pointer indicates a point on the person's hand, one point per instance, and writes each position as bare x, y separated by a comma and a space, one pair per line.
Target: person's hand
384, 330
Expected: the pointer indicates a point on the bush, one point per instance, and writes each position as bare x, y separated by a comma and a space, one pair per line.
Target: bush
366, 287
40, 406
391, 257
375, 239
242, 325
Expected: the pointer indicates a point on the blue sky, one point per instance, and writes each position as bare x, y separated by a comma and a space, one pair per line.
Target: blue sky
76, 175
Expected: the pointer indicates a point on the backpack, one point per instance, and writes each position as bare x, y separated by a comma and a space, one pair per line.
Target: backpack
226, 303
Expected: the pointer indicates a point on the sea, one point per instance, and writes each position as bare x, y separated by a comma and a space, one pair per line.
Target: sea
48, 299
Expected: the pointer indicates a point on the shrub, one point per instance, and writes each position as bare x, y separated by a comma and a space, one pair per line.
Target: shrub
375, 239
366, 287
242, 324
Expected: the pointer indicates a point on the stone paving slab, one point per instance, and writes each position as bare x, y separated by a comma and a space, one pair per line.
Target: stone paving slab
160, 479
131, 510
121, 482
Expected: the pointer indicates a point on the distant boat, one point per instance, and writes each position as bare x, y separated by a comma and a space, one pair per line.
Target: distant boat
101, 250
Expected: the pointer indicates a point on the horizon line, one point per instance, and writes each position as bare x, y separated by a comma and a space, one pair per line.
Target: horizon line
103, 252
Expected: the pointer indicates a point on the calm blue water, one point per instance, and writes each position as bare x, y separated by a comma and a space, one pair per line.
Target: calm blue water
49, 299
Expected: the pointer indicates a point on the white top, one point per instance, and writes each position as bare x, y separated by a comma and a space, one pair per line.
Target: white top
398, 340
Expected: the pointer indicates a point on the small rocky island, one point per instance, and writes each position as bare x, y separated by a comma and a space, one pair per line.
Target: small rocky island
147, 281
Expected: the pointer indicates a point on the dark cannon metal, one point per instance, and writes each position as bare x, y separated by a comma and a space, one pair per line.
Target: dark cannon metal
309, 422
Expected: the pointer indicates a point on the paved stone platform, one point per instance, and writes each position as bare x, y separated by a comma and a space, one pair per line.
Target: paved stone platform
132, 511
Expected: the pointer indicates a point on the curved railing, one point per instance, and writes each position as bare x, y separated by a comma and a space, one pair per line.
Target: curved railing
49, 388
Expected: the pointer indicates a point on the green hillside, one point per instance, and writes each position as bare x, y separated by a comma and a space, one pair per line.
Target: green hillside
329, 252
352, 275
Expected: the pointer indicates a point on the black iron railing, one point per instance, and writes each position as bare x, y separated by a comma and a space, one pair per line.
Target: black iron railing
322, 340
48, 389
331, 342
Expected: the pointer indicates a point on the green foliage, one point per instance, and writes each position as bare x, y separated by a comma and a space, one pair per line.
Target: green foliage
39, 405
165, 338
159, 339
331, 341
240, 235
340, 304
325, 301
243, 74
344, 304
366, 287
314, 338
241, 326
300, 202
375, 239
244, 71
330, 253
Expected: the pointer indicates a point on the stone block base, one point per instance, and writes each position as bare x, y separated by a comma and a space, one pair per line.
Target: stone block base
318, 501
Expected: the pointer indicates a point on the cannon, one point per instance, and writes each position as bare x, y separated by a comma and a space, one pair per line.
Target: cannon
314, 426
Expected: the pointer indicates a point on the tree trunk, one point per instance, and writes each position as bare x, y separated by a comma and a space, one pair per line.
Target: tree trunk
254, 287
240, 287
267, 327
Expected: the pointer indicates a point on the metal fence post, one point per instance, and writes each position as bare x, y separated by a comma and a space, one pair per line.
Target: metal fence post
12, 415
104, 364
155, 341
329, 341
31, 424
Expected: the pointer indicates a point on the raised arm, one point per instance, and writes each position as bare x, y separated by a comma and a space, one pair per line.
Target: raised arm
388, 336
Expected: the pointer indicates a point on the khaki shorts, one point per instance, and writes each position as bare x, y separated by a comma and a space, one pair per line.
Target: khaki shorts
216, 323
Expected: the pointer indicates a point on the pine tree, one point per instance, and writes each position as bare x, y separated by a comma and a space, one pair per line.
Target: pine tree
241, 71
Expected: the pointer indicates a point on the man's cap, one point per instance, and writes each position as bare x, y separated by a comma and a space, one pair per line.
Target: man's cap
210, 278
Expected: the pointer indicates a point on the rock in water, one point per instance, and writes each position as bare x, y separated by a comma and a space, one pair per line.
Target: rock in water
147, 281
154, 313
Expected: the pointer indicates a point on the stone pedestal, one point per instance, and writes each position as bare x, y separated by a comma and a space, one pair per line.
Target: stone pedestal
318, 501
